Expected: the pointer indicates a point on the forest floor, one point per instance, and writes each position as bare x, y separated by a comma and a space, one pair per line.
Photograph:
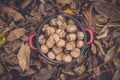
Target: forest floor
21, 18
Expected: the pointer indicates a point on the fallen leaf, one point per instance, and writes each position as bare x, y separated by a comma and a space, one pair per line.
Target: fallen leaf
93, 49
24, 56
29, 72
107, 10
12, 46
116, 62
10, 59
16, 34
110, 54
69, 11
1, 69
105, 34
116, 75
43, 74
2, 39
70, 2
16, 16
6, 76
2, 25
25, 3
99, 45
79, 70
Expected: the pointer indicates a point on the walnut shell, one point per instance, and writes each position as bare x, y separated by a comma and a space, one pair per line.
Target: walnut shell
61, 33
67, 58
55, 37
71, 37
70, 45
45, 27
75, 52
44, 48
60, 43
80, 35
71, 28
59, 57
57, 50
41, 39
50, 30
51, 55
71, 22
60, 17
49, 43
79, 44
53, 22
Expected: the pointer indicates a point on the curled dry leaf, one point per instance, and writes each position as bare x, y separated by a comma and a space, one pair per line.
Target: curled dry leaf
110, 54
16, 34
103, 35
24, 56
11, 12
79, 70
69, 11
99, 46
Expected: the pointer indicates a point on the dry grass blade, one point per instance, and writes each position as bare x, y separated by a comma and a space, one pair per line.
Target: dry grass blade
16, 34
16, 16
24, 56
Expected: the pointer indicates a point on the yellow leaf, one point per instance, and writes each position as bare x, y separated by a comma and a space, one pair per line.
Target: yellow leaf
69, 11
64, 1
2, 39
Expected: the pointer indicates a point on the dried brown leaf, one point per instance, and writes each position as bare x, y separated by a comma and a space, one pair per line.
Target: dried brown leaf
1, 69
110, 54
116, 75
99, 45
105, 34
93, 49
2, 25
11, 12
25, 3
29, 72
107, 10
79, 70
43, 74
24, 56
69, 11
16, 34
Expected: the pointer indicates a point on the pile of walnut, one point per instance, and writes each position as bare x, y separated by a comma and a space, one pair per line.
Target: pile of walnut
61, 39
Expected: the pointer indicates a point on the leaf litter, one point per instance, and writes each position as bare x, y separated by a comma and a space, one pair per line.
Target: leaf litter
19, 19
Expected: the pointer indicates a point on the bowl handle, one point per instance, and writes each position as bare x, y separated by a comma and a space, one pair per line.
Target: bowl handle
31, 41
90, 32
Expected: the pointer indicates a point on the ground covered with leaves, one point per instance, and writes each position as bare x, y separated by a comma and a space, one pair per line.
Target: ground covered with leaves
21, 18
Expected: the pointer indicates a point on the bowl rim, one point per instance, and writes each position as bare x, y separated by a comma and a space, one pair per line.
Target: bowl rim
78, 25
